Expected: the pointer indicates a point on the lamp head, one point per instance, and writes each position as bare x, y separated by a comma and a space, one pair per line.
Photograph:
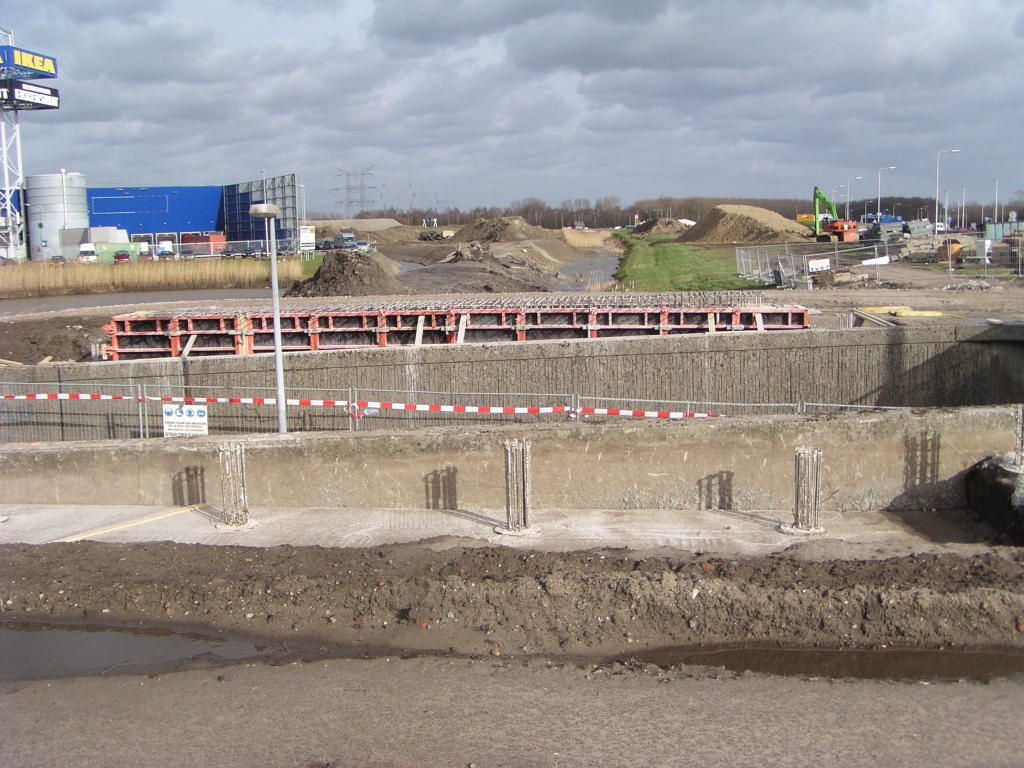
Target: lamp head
264, 211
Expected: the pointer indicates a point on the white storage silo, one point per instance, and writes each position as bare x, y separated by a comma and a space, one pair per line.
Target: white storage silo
56, 201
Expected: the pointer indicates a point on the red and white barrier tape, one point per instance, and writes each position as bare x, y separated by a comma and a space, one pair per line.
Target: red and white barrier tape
647, 414
356, 407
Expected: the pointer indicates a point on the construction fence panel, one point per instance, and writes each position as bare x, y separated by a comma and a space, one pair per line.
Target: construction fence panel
52, 412
115, 413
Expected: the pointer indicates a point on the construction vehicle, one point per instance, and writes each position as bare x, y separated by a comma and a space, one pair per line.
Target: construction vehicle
837, 230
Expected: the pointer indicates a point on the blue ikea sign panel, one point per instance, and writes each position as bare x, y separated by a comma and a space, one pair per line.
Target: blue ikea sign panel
19, 64
151, 210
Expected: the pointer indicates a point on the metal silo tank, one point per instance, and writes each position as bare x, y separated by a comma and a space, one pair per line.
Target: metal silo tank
56, 201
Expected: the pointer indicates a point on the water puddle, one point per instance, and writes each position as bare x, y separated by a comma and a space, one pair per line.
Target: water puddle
591, 273
30, 651
865, 664
408, 266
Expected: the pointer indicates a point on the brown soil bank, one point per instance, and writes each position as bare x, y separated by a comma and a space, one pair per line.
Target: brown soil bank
29, 340
515, 603
744, 225
344, 273
504, 229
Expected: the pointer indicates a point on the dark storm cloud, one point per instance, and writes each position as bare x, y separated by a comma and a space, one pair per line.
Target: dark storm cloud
490, 100
447, 21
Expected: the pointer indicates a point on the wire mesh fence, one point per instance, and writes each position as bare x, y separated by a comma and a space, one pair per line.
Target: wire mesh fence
794, 265
684, 409
115, 413
54, 412
119, 412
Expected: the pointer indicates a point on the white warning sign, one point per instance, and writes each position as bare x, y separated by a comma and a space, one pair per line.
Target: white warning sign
185, 421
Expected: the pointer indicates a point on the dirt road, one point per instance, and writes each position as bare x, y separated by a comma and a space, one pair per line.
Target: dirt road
420, 713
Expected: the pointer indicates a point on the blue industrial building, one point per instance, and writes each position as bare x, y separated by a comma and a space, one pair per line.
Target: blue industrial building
160, 212
156, 214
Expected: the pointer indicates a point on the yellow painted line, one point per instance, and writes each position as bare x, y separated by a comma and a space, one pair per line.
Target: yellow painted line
122, 526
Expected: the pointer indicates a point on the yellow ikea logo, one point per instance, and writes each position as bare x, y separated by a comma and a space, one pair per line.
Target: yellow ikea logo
34, 61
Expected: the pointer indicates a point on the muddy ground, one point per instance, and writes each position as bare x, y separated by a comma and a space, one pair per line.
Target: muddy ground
63, 337
516, 604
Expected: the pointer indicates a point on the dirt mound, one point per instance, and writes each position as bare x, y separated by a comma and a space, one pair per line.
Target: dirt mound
655, 227
475, 268
744, 225
351, 274
31, 339
474, 600
504, 229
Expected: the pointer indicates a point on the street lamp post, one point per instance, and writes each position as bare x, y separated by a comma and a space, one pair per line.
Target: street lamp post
268, 212
878, 209
937, 157
995, 212
849, 194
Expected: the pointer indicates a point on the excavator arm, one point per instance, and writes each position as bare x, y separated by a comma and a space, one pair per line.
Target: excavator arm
819, 200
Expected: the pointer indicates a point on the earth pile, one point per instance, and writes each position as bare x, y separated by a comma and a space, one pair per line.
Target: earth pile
655, 227
744, 225
504, 229
346, 273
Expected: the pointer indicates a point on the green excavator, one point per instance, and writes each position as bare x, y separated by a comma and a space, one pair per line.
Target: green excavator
837, 230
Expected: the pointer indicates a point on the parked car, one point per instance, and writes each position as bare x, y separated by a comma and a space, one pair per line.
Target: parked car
122, 257
362, 246
252, 253
145, 256
166, 256
188, 253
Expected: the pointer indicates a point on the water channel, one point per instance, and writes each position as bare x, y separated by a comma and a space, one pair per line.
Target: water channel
38, 651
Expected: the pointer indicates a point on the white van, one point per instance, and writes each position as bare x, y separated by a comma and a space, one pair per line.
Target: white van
87, 253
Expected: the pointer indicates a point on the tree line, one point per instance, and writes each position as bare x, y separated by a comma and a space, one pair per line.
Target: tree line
608, 212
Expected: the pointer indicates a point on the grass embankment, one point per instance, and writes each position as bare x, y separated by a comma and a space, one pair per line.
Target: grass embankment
309, 266
657, 265
31, 280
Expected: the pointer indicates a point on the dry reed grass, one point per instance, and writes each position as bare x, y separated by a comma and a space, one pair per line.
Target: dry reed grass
31, 279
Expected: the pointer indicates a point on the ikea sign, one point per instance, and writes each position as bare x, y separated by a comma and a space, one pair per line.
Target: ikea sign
16, 63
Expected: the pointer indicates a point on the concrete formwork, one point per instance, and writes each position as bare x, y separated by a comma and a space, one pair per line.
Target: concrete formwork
894, 459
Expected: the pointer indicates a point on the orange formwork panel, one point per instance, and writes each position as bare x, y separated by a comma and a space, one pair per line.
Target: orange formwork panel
351, 324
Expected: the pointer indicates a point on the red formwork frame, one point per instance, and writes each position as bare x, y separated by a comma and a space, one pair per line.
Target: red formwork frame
148, 335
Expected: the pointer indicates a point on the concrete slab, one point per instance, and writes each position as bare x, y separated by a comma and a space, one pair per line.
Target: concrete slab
711, 531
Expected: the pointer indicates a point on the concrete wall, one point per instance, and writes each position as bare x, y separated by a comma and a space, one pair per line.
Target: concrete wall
947, 366
896, 459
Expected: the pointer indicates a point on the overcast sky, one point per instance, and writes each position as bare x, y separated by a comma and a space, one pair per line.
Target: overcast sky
481, 102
